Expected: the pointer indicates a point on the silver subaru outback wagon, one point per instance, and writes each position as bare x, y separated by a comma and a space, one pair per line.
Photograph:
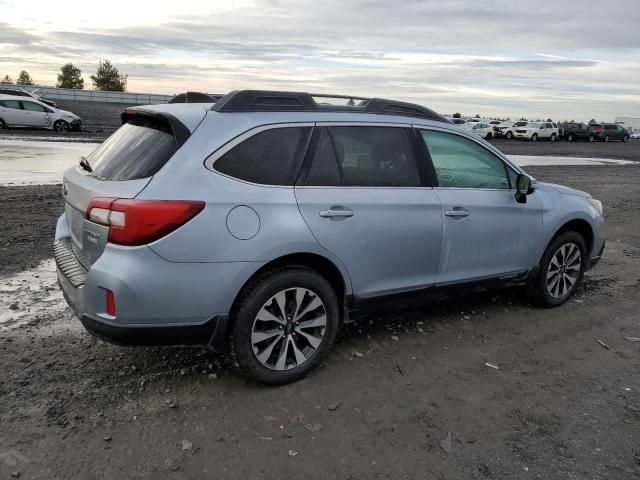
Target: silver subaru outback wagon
261, 223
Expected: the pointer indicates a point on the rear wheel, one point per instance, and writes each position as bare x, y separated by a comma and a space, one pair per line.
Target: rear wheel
561, 269
591, 139
534, 137
284, 324
489, 135
2, 124
606, 138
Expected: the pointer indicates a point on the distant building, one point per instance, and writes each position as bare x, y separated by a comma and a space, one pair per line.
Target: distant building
630, 123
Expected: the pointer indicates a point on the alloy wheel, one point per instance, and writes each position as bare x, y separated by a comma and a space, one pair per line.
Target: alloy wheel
564, 270
289, 328
61, 126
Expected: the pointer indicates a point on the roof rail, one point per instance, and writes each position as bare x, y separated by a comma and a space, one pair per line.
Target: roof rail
270, 101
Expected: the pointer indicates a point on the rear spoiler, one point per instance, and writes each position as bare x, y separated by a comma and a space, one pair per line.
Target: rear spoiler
180, 130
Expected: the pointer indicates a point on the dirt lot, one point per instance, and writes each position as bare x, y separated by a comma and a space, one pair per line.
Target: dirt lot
560, 406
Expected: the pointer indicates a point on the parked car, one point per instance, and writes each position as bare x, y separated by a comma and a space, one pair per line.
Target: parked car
635, 135
536, 131
507, 128
578, 131
480, 128
21, 92
609, 131
16, 111
262, 223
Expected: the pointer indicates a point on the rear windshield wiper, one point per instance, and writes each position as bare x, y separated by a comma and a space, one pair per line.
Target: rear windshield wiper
84, 163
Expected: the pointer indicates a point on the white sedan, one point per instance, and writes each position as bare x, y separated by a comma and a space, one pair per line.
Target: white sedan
16, 111
484, 129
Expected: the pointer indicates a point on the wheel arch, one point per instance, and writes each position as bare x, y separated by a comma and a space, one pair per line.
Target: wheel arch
324, 266
579, 226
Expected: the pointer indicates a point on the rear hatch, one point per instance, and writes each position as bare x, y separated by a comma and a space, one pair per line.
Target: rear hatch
119, 168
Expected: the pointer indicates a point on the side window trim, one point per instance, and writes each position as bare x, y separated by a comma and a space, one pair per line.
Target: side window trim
506, 165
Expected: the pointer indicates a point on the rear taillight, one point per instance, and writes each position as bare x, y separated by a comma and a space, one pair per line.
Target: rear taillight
137, 222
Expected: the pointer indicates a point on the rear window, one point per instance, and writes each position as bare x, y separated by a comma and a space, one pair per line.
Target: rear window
138, 149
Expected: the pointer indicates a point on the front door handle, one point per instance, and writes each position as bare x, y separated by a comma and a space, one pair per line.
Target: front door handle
336, 212
457, 212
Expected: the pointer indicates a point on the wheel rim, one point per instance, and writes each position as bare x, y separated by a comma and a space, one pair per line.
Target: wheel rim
564, 269
61, 127
288, 329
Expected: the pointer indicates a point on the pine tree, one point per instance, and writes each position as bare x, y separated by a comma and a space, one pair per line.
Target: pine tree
108, 78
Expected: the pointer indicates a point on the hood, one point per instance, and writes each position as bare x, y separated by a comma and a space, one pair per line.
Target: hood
68, 114
567, 190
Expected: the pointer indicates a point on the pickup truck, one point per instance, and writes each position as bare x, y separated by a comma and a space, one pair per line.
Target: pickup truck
578, 131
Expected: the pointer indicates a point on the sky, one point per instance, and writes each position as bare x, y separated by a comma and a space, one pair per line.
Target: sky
562, 59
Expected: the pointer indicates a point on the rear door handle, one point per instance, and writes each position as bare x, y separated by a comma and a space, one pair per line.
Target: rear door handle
336, 212
457, 212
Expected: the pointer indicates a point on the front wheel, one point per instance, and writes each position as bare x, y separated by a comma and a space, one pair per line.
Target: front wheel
591, 139
606, 139
553, 137
509, 135
488, 137
61, 126
561, 269
625, 138
284, 324
570, 137
2, 124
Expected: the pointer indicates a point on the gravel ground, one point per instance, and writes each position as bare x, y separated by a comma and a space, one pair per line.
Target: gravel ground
560, 405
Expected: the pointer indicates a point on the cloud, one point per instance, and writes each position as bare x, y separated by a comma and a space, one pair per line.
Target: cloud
451, 55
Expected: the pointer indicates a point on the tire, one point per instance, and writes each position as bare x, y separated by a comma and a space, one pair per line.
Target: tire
61, 126
606, 138
591, 139
570, 137
549, 292
2, 124
534, 137
279, 362
625, 138
553, 137
509, 135
489, 136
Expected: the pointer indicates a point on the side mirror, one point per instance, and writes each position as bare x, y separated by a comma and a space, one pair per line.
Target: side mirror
523, 188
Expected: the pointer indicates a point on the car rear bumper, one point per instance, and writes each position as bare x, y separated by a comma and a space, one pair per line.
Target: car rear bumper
157, 302
212, 333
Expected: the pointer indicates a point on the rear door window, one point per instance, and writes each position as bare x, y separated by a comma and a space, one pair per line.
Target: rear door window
324, 170
138, 149
376, 156
15, 104
271, 157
